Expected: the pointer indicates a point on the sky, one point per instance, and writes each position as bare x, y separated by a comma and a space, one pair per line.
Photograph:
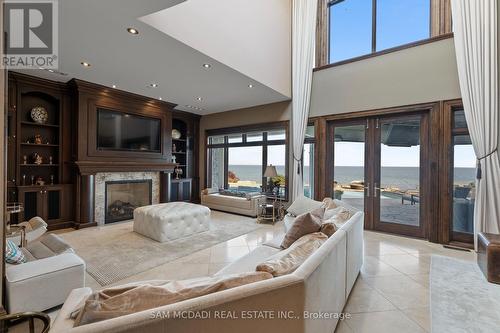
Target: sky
352, 154
398, 22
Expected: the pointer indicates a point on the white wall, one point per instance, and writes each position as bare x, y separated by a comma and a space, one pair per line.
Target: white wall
252, 37
419, 74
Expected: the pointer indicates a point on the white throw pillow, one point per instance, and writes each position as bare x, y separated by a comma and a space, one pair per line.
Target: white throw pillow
329, 213
303, 205
337, 216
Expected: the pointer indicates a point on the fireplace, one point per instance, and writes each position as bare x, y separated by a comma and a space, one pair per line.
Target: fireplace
123, 196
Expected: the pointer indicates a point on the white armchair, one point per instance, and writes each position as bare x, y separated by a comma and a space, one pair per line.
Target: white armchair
46, 280
31, 230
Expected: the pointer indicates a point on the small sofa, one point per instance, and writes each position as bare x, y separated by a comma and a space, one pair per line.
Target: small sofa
248, 205
319, 287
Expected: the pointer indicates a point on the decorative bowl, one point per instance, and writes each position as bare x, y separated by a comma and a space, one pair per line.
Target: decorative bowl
176, 135
39, 115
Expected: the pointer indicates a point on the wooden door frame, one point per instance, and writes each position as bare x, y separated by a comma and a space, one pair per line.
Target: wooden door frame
325, 155
330, 161
445, 233
424, 179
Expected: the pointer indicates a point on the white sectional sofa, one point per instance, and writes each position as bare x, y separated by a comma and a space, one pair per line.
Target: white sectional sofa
319, 287
232, 204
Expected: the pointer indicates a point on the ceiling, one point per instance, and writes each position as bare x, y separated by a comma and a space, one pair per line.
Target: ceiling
95, 31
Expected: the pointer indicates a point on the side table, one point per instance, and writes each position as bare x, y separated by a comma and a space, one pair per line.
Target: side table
270, 209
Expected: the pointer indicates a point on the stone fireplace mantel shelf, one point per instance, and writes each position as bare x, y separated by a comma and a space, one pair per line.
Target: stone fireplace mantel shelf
92, 167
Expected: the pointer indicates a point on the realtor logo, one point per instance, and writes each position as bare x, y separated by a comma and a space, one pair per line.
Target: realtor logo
31, 34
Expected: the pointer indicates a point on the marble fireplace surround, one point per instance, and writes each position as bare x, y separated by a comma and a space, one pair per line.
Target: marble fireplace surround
100, 188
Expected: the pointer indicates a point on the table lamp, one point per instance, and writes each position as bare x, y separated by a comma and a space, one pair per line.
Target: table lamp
269, 174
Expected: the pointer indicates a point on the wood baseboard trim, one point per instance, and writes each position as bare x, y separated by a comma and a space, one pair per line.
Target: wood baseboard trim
85, 225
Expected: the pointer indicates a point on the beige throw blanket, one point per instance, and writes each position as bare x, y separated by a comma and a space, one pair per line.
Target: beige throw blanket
120, 301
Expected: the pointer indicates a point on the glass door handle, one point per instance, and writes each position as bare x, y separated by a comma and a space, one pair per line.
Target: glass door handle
375, 190
367, 189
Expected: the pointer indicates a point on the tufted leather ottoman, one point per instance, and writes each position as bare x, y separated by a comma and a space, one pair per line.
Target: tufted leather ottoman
173, 220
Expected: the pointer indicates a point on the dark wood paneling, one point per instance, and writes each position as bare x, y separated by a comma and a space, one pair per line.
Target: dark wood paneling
77, 157
90, 96
322, 33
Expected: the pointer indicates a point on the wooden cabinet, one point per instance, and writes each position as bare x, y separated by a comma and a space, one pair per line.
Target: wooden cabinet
185, 155
53, 203
180, 189
49, 140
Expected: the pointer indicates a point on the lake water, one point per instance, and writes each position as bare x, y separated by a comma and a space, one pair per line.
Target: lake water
401, 177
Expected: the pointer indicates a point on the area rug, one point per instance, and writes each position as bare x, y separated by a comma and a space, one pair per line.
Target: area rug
461, 298
114, 252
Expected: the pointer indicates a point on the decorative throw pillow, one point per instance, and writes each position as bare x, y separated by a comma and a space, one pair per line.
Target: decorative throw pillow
328, 203
329, 213
303, 205
328, 229
338, 216
304, 224
13, 254
287, 261
350, 208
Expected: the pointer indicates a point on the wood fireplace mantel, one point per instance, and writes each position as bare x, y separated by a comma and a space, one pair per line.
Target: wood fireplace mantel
93, 167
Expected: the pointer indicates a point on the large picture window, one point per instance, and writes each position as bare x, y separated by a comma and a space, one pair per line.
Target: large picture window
238, 157
360, 27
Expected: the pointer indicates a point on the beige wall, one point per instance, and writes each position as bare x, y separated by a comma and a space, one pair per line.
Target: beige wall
255, 115
415, 75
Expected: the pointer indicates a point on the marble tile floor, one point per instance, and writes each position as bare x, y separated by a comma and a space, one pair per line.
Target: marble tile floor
390, 295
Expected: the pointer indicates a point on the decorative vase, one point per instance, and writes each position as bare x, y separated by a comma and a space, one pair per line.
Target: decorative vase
39, 115
176, 134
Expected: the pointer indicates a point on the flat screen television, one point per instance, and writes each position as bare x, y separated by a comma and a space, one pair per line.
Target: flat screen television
127, 132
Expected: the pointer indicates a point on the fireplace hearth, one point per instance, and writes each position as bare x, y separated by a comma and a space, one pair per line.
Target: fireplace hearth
123, 196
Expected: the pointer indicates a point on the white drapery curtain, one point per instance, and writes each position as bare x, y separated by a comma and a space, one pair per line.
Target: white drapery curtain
476, 44
304, 14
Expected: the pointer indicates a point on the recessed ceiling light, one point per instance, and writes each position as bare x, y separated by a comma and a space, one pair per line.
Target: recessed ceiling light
250, 86
50, 70
199, 99
189, 106
207, 66
133, 31
154, 85
85, 64
161, 99
114, 85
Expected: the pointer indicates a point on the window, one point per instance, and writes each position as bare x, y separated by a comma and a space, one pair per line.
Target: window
245, 168
276, 156
308, 162
237, 159
360, 27
464, 180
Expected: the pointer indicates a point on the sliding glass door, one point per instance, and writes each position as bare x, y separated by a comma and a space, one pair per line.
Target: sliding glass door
376, 166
